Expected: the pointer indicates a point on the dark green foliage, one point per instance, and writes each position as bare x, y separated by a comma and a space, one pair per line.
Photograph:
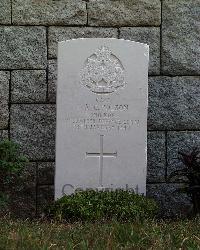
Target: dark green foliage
191, 173
3, 200
103, 205
11, 165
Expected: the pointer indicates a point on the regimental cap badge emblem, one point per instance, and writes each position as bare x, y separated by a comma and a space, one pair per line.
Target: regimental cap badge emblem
103, 72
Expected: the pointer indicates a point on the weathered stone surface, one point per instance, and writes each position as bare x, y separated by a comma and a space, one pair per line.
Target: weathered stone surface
45, 196
4, 98
46, 173
3, 134
148, 35
57, 34
52, 80
181, 37
33, 127
23, 193
28, 86
174, 103
5, 12
156, 167
171, 202
124, 13
23, 47
180, 142
49, 12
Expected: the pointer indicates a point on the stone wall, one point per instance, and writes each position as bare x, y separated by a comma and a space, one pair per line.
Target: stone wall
29, 32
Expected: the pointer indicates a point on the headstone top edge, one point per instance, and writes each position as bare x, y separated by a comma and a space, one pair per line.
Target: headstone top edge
104, 39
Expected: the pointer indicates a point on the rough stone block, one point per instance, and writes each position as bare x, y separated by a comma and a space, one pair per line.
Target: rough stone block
171, 202
174, 103
57, 34
4, 98
46, 173
3, 134
181, 37
49, 12
182, 141
23, 193
5, 12
156, 167
45, 196
124, 12
148, 35
52, 79
28, 86
23, 47
33, 127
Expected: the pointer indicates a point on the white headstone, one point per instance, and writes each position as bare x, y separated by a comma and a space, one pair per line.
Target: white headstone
102, 99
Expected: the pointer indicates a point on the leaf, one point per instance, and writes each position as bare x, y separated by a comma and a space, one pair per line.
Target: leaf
191, 171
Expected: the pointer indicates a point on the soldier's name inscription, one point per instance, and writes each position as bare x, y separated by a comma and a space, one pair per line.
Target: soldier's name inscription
102, 116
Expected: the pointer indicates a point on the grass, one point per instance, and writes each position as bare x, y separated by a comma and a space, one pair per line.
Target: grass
31, 235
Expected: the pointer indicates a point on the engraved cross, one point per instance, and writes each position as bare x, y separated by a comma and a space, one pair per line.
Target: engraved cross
101, 156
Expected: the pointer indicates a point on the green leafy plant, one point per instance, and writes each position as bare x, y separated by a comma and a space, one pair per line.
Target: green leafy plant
102, 205
11, 165
191, 173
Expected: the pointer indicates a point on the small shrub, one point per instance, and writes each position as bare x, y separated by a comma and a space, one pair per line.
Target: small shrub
102, 205
11, 165
191, 173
